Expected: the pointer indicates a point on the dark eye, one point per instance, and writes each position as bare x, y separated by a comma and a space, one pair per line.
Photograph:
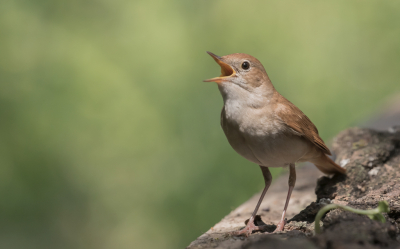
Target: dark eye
245, 65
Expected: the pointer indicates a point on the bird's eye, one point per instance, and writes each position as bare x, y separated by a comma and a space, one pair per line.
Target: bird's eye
246, 65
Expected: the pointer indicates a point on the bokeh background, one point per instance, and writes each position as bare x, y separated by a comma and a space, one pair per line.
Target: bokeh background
110, 139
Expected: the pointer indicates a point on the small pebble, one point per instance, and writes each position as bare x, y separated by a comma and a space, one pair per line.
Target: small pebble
325, 201
344, 162
394, 129
374, 171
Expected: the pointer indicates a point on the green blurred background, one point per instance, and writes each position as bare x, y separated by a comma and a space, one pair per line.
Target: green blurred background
110, 139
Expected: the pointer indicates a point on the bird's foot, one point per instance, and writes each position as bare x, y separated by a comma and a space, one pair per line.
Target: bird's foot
280, 226
250, 227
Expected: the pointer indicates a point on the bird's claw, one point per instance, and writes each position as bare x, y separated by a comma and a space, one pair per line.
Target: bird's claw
250, 227
280, 226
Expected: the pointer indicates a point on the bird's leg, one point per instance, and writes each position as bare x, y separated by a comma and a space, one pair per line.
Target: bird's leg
292, 181
250, 227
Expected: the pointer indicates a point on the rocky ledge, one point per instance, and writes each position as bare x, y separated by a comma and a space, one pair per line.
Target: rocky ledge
372, 160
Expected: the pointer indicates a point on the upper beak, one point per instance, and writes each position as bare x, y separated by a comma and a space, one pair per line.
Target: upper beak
226, 70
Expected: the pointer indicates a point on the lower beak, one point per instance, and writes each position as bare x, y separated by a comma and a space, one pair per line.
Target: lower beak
226, 70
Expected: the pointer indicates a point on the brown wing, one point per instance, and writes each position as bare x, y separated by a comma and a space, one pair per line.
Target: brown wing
299, 122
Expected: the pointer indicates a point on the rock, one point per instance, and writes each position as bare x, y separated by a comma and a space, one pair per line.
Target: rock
372, 160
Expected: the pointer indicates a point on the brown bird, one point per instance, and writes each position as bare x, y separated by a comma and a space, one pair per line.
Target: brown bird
264, 127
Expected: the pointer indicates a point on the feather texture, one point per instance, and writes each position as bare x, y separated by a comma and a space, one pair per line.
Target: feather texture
298, 122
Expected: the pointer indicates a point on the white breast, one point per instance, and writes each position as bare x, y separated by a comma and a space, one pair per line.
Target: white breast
261, 137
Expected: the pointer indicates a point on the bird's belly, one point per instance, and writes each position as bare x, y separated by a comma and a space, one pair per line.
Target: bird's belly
280, 150
239, 144
264, 140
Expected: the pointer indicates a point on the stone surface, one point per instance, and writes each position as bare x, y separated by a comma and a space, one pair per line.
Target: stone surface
270, 210
372, 160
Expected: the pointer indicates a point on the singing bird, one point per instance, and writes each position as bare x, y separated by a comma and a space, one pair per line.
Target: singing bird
264, 127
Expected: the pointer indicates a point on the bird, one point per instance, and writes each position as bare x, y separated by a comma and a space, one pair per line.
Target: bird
265, 128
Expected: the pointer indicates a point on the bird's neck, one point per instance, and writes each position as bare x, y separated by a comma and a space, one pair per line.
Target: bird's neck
254, 98
240, 102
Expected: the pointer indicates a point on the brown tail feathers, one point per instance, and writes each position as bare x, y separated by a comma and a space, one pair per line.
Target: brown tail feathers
327, 166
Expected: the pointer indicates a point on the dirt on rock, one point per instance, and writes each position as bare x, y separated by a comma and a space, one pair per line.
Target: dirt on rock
372, 160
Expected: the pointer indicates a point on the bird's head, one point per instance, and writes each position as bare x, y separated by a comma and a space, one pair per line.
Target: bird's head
241, 72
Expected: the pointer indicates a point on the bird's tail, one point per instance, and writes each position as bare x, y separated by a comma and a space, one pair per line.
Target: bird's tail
327, 166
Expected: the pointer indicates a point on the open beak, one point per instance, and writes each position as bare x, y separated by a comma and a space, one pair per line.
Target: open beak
226, 70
